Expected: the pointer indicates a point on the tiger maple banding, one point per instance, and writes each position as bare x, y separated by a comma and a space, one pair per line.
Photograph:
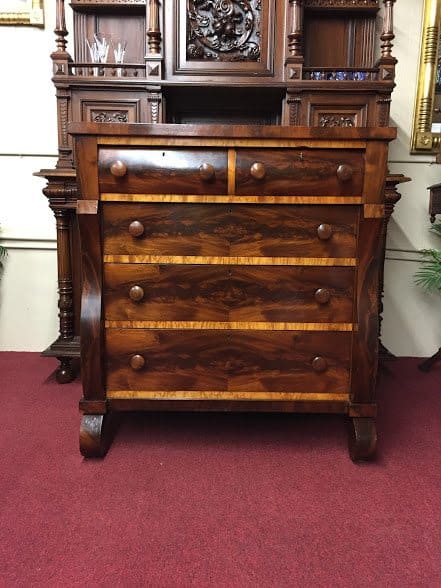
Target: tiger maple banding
194, 259
230, 198
231, 325
219, 395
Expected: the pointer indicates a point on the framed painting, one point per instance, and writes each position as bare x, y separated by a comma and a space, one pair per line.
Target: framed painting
22, 12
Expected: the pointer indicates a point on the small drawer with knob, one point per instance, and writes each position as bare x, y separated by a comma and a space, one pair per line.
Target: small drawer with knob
233, 361
228, 293
240, 230
299, 172
162, 171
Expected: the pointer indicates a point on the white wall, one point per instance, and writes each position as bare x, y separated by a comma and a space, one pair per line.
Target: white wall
28, 142
411, 318
28, 312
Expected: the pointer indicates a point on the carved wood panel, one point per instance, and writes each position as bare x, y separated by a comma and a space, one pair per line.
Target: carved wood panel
93, 106
224, 30
224, 38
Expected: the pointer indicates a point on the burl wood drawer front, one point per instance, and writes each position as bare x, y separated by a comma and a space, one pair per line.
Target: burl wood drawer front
271, 361
228, 293
320, 172
160, 171
236, 230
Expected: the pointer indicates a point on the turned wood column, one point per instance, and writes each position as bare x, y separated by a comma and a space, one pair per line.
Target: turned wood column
61, 192
61, 62
391, 197
65, 290
387, 61
294, 61
154, 56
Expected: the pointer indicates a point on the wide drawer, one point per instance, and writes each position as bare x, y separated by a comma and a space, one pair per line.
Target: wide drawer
271, 361
318, 172
152, 292
161, 171
230, 230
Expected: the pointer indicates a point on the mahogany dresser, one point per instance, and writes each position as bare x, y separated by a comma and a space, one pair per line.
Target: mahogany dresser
230, 268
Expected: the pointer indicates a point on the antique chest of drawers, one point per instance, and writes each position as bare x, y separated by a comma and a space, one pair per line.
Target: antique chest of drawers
230, 268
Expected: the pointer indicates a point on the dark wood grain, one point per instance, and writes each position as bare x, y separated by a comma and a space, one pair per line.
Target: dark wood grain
91, 302
287, 406
228, 293
162, 170
308, 172
231, 361
87, 174
96, 433
213, 131
376, 170
365, 349
362, 438
217, 229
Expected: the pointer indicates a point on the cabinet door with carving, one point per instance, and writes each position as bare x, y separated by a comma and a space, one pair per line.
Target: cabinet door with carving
111, 107
222, 38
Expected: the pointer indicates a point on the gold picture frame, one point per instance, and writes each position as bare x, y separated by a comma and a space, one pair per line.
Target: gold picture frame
22, 12
423, 140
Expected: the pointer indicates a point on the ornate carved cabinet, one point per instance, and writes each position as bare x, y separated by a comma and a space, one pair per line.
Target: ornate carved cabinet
315, 69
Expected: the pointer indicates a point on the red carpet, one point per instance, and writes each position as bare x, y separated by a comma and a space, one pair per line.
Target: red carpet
233, 500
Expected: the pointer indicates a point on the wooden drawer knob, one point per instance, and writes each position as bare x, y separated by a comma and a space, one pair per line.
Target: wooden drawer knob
344, 172
118, 169
137, 362
207, 172
136, 293
136, 229
322, 295
319, 364
258, 170
324, 232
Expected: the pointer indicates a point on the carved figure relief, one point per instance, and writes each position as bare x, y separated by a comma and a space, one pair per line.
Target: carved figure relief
224, 30
337, 120
120, 116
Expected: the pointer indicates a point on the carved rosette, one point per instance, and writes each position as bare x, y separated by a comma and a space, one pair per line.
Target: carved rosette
224, 30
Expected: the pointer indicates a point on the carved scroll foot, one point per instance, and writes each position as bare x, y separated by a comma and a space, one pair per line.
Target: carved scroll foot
96, 434
362, 438
66, 371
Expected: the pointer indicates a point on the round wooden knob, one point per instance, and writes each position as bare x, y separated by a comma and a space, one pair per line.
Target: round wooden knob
344, 172
207, 172
258, 170
319, 364
324, 232
136, 293
136, 229
137, 362
118, 169
322, 295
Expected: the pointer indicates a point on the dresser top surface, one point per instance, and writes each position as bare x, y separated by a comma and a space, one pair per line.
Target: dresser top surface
222, 131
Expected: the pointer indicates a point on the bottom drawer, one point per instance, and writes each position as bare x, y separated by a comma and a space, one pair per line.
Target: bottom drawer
233, 361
